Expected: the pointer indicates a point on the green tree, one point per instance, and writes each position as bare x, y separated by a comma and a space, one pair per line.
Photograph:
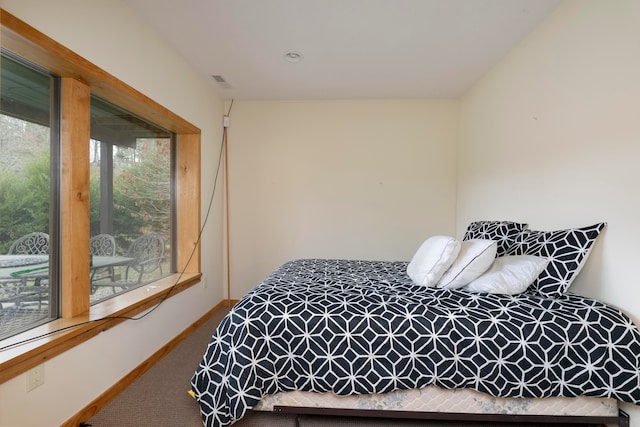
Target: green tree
24, 201
142, 191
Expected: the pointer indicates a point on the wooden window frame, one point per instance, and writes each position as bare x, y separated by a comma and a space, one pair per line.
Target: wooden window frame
79, 321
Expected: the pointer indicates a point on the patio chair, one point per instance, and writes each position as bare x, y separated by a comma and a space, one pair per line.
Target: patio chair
102, 245
147, 252
36, 243
9, 292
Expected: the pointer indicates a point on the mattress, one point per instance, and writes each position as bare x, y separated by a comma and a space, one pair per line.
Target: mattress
436, 399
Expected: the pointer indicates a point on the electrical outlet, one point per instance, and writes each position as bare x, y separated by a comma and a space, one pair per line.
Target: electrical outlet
35, 377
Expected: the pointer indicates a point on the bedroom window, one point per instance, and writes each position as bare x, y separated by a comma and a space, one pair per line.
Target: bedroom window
131, 199
28, 170
87, 119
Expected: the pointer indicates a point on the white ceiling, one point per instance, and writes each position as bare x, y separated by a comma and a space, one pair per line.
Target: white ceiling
352, 49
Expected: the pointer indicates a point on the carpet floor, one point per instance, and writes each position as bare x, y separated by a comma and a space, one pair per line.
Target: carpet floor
159, 398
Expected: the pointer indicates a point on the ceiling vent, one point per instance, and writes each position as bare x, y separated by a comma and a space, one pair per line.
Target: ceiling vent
221, 81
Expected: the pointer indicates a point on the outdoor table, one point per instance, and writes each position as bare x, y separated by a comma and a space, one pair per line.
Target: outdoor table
16, 270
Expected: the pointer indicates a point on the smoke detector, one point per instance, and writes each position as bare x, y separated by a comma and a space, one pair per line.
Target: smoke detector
293, 56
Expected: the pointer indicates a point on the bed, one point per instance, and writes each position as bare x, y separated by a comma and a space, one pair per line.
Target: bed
367, 334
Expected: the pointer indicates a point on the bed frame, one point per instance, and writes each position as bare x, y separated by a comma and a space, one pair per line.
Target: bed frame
622, 420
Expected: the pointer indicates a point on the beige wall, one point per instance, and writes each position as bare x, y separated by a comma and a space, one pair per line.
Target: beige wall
107, 33
552, 137
337, 179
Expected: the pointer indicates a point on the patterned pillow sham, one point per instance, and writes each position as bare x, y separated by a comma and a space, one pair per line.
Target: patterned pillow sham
503, 232
567, 251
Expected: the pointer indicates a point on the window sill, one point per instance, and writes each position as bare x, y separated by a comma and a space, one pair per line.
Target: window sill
24, 351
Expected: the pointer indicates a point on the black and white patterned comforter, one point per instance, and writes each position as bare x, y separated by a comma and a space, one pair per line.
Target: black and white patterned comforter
362, 327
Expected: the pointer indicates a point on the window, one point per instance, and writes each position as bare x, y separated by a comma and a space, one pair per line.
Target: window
28, 143
79, 87
131, 182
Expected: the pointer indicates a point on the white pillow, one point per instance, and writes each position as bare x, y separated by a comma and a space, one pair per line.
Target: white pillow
475, 257
432, 259
509, 275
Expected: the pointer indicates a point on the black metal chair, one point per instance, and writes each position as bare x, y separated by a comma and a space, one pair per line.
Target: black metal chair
147, 252
27, 288
102, 245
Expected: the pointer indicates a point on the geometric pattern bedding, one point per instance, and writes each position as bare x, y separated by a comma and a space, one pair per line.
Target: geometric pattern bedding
360, 327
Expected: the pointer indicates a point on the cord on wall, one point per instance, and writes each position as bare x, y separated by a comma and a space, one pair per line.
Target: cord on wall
225, 143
